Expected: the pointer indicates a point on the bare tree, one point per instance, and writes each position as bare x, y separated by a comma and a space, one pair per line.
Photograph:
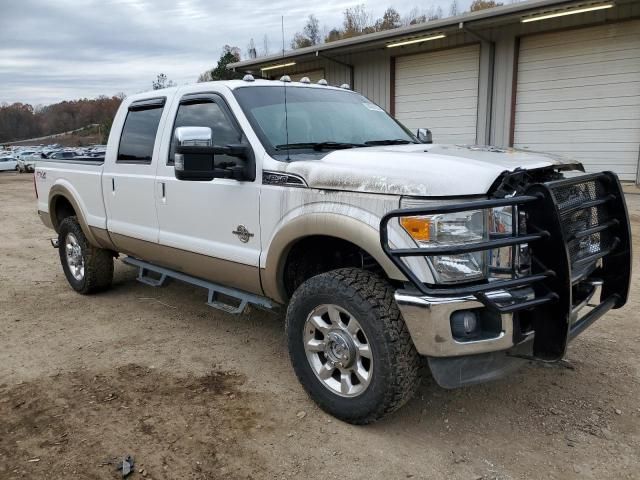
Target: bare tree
357, 20
484, 4
309, 36
312, 30
414, 17
453, 8
251, 49
162, 81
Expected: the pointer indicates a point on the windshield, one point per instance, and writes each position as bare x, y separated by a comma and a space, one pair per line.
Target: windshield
317, 119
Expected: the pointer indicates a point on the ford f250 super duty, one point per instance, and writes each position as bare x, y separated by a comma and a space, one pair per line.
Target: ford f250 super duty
385, 250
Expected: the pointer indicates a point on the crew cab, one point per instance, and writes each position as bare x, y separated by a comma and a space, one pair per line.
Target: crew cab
384, 250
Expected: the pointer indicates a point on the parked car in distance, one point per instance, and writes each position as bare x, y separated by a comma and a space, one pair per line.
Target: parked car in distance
26, 163
383, 250
62, 154
8, 163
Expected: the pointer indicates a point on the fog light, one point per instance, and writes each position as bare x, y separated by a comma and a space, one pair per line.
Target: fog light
464, 324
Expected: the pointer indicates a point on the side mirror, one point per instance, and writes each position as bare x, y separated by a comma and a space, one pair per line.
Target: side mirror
424, 135
195, 153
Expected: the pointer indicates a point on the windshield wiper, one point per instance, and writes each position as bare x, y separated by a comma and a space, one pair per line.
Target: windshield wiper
393, 141
319, 145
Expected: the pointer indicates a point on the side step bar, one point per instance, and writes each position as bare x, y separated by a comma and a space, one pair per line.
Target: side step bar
243, 298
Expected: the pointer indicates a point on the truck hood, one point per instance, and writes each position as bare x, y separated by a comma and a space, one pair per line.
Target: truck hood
418, 169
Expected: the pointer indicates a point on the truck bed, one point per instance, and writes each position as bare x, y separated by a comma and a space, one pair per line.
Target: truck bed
81, 178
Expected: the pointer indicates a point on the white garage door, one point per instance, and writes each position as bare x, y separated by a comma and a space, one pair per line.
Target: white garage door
578, 95
439, 91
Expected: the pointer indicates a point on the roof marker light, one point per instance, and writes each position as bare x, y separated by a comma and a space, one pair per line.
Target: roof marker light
322, 81
248, 78
285, 78
416, 40
345, 86
305, 80
562, 13
282, 65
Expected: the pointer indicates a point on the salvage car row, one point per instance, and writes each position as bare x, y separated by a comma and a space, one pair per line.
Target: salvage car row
23, 159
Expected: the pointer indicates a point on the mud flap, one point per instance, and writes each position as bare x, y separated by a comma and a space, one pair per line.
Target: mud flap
455, 372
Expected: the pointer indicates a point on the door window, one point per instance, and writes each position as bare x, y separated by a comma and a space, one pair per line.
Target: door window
139, 135
206, 114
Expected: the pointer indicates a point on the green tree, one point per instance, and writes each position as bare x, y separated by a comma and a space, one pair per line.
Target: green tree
333, 35
221, 72
390, 20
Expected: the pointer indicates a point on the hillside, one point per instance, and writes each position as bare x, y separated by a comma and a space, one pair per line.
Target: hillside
20, 121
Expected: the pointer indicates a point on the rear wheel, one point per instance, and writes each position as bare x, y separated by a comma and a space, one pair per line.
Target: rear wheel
88, 269
350, 347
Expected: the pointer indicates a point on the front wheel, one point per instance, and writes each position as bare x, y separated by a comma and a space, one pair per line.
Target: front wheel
88, 269
350, 347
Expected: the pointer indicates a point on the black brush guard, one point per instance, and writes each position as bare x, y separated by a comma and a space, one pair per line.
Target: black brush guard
578, 234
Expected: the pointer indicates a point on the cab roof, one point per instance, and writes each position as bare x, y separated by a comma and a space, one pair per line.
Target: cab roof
230, 84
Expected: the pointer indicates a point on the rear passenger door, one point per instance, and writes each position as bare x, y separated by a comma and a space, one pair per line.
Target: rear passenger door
128, 181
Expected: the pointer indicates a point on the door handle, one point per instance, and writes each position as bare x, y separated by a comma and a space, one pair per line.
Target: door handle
113, 184
164, 192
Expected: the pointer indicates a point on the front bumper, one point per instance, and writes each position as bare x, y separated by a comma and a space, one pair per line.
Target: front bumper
578, 236
428, 320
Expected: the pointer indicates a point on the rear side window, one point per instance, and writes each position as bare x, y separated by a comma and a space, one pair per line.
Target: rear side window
139, 133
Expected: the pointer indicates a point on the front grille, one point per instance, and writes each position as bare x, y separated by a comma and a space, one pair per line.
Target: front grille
576, 235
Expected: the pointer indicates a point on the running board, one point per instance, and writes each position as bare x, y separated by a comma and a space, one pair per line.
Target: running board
145, 270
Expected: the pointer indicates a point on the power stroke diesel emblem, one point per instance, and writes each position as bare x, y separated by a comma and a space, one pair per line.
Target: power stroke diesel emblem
242, 233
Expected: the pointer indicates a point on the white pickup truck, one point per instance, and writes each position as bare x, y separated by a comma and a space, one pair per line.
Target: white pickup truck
386, 249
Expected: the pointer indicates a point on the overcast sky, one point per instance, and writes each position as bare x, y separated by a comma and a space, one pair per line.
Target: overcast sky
53, 50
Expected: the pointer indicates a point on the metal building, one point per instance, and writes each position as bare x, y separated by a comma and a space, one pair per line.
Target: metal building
551, 75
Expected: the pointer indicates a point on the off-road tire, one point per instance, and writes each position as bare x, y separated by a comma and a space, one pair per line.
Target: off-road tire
98, 263
396, 363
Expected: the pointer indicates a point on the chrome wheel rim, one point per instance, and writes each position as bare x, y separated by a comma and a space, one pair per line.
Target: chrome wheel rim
73, 252
338, 350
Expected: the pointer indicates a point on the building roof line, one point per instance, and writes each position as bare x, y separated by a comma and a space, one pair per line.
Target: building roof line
496, 12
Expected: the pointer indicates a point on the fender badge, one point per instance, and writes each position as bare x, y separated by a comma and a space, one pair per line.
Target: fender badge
242, 233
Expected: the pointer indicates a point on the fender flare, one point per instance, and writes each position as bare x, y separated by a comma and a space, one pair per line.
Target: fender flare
331, 224
58, 191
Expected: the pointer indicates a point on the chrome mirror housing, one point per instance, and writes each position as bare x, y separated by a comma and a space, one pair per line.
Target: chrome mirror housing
194, 137
194, 155
424, 135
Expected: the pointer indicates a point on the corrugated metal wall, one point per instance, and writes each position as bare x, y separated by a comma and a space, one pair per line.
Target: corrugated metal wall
372, 70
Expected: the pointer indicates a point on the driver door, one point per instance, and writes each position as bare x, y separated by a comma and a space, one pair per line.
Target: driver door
211, 228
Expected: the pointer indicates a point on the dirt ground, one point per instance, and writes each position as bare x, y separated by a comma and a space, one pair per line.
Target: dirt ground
192, 393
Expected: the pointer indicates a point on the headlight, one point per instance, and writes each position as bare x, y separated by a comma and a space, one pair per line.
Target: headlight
452, 229
472, 226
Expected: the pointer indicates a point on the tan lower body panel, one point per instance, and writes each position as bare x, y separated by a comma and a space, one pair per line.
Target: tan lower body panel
46, 219
237, 275
103, 238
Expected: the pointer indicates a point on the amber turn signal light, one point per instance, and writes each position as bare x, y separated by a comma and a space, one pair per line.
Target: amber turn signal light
417, 227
